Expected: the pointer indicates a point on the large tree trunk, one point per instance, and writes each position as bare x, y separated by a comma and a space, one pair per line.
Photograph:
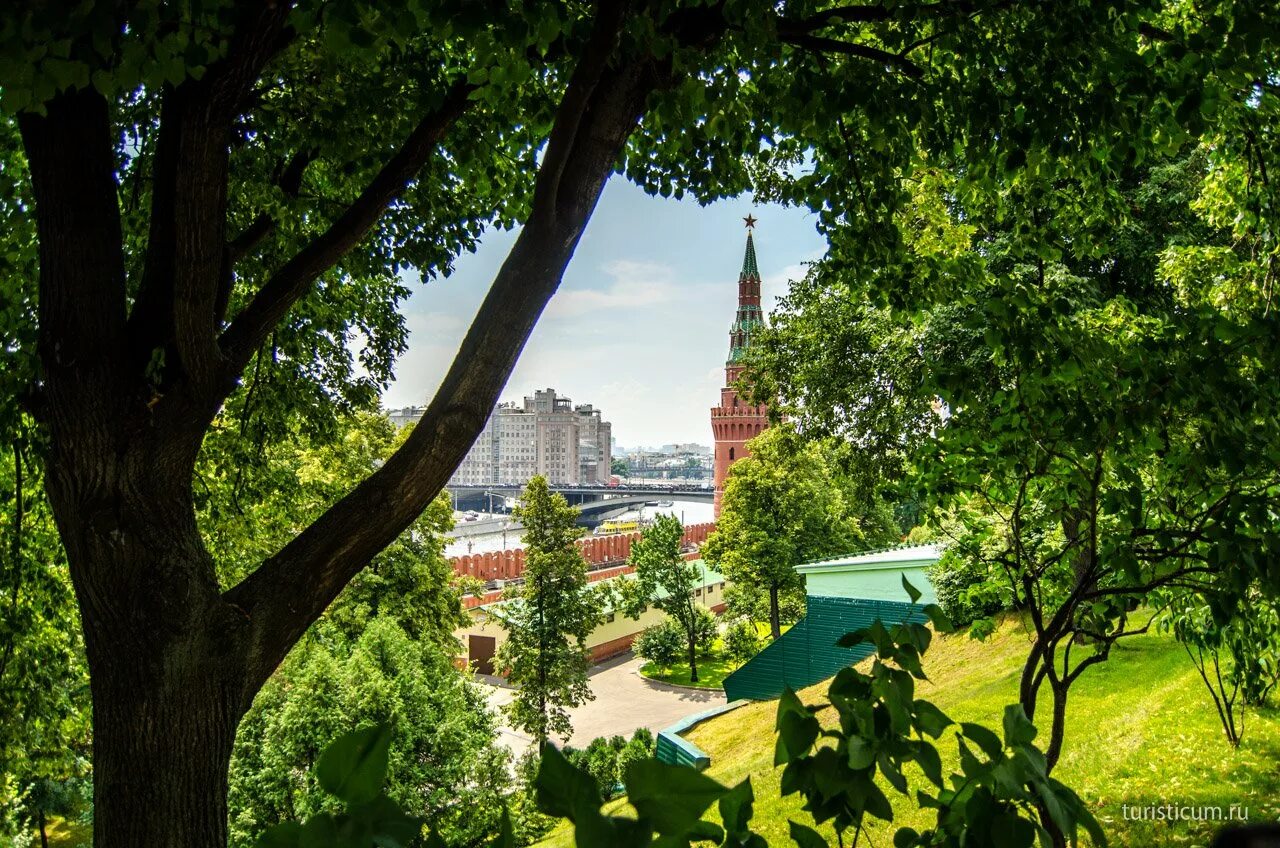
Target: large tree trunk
161, 753
167, 669
693, 659
174, 662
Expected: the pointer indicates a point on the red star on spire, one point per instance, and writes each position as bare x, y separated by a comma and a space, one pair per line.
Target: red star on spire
751, 221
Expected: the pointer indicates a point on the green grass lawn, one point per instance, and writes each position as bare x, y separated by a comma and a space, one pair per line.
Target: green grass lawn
1141, 730
713, 667
67, 834
712, 670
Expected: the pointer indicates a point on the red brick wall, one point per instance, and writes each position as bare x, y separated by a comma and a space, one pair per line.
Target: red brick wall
598, 550
604, 650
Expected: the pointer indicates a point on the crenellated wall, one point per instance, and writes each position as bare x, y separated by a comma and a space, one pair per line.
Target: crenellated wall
599, 552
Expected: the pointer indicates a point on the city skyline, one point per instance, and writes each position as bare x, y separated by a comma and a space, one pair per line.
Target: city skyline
640, 322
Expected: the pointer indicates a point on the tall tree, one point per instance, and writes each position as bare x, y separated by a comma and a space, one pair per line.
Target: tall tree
782, 506
1110, 411
211, 204
548, 618
664, 579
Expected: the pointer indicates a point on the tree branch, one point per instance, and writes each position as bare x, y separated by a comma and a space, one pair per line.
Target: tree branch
295, 277
289, 181
822, 44
182, 273
82, 302
292, 588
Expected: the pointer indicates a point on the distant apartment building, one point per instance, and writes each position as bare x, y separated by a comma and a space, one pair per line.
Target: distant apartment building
545, 435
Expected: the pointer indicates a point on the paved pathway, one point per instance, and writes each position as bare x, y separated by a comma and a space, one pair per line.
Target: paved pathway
624, 702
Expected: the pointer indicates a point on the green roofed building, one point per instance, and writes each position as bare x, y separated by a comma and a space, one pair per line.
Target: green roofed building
843, 594
484, 634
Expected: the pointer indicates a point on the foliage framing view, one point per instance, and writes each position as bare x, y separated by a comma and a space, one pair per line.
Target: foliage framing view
206, 205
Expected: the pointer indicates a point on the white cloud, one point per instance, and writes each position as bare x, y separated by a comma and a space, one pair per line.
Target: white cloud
634, 284
435, 323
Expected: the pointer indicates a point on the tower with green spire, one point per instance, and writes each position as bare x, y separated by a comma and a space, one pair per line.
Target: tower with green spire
733, 422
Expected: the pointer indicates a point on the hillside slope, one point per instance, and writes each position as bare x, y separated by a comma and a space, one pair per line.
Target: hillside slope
1141, 730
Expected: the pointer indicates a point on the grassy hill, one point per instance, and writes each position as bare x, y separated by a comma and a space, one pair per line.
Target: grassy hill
1141, 730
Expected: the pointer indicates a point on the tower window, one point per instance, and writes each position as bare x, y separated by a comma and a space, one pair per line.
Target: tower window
731, 454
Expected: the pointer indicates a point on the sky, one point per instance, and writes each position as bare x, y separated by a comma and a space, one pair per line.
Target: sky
640, 325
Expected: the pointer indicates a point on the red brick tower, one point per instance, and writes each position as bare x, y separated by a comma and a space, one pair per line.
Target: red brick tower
733, 422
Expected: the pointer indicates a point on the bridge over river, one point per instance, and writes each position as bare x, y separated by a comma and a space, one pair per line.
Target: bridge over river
585, 498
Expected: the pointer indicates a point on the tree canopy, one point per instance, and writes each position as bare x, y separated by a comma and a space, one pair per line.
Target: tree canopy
209, 207
783, 505
548, 618
664, 579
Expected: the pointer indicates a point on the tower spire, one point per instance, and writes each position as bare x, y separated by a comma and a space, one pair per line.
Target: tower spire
733, 422
749, 268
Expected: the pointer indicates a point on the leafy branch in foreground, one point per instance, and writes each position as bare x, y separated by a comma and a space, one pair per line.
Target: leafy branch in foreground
353, 768
1002, 796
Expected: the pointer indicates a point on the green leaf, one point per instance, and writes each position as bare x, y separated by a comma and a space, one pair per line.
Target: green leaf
861, 754
671, 798
562, 790
319, 831
806, 837
284, 835
354, 766
386, 821
1010, 831
912, 592
930, 763
1018, 729
797, 729
506, 838
929, 719
985, 739
736, 807
938, 618
853, 638
876, 802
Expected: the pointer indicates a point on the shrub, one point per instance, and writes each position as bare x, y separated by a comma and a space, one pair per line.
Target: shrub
706, 629
661, 644
741, 640
602, 764
965, 590
640, 747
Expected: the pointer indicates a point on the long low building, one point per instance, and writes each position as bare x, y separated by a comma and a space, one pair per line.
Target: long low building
484, 635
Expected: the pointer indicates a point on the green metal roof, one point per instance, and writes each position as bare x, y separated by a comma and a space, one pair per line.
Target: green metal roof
884, 558
749, 268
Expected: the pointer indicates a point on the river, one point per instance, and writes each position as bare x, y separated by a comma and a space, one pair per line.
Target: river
689, 512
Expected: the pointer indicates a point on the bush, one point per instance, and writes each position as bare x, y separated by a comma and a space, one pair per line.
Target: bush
662, 644
528, 822
602, 764
965, 590
741, 640
641, 747
706, 628
606, 759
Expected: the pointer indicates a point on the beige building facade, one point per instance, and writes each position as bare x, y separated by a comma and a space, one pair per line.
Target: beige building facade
546, 434
484, 635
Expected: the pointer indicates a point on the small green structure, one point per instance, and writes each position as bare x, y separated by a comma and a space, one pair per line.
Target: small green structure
843, 594
674, 749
